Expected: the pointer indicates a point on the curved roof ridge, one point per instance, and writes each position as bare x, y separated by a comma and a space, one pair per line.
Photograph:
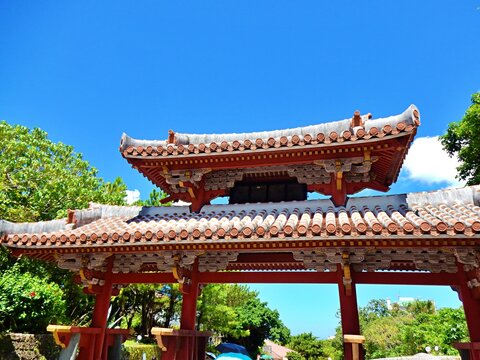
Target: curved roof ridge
99, 211
8, 227
102, 211
409, 117
464, 195
83, 217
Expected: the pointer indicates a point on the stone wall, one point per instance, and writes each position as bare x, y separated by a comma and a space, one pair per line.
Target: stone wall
28, 347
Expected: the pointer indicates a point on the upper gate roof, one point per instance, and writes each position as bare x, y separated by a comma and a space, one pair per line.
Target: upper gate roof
334, 158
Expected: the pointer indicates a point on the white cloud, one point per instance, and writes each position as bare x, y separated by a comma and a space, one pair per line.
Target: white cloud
180, 203
132, 196
427, 162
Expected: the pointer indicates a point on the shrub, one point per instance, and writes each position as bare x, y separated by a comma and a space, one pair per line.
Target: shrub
133, 351
29, 303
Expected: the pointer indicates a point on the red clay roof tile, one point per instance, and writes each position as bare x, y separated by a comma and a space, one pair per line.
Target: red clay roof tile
337, 131
318, 219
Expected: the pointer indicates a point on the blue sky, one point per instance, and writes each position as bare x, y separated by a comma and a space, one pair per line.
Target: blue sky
88, 71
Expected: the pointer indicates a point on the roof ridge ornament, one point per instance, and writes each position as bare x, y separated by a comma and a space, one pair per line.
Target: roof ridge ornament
171, 137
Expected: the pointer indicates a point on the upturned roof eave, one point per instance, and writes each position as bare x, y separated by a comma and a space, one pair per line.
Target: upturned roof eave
320, 146
409, 117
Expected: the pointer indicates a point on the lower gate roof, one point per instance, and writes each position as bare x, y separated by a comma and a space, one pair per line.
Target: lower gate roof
445, 218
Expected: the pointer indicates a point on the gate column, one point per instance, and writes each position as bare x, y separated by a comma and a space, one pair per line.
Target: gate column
94, 346
471, 306
348, 311
189, 316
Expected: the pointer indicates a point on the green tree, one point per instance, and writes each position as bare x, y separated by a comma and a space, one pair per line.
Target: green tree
308, 346
293, 355
408, 329
149, 304
261, 322
217, 306
441, 329
382, 336
172, 301
375, 309
155, 198
418, 307
41, 180
462, 139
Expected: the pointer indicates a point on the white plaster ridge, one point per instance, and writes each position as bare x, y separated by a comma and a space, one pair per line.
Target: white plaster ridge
326, 128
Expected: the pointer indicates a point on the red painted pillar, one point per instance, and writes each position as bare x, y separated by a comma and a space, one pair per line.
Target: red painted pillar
471, 307
99, 318
348, 313
189, 302
189, 316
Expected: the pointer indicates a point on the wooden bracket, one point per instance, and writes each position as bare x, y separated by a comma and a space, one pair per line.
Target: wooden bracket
182, 276
367, 157
473, 281
338, 174
158, 333
355, 340
189, 187
176, 338
61, 334
347, 275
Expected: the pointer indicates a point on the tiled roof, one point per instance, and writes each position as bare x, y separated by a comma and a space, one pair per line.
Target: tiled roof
278, 352
179, 144
443, 213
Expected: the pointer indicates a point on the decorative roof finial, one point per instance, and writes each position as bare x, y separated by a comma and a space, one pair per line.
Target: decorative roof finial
171, 137
356, 120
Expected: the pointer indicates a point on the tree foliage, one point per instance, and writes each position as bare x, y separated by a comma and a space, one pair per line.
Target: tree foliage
408, 329
261, 322
40, 179
143, 306
404, 330
236, 313
462, 139
375, 309
28, 303
155, 199
307, 346
440, 329
217, 306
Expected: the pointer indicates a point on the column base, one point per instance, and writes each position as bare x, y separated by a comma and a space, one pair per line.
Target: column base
181, 344
468, 350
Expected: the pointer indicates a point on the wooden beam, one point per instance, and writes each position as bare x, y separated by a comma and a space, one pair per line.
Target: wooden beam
294, 277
